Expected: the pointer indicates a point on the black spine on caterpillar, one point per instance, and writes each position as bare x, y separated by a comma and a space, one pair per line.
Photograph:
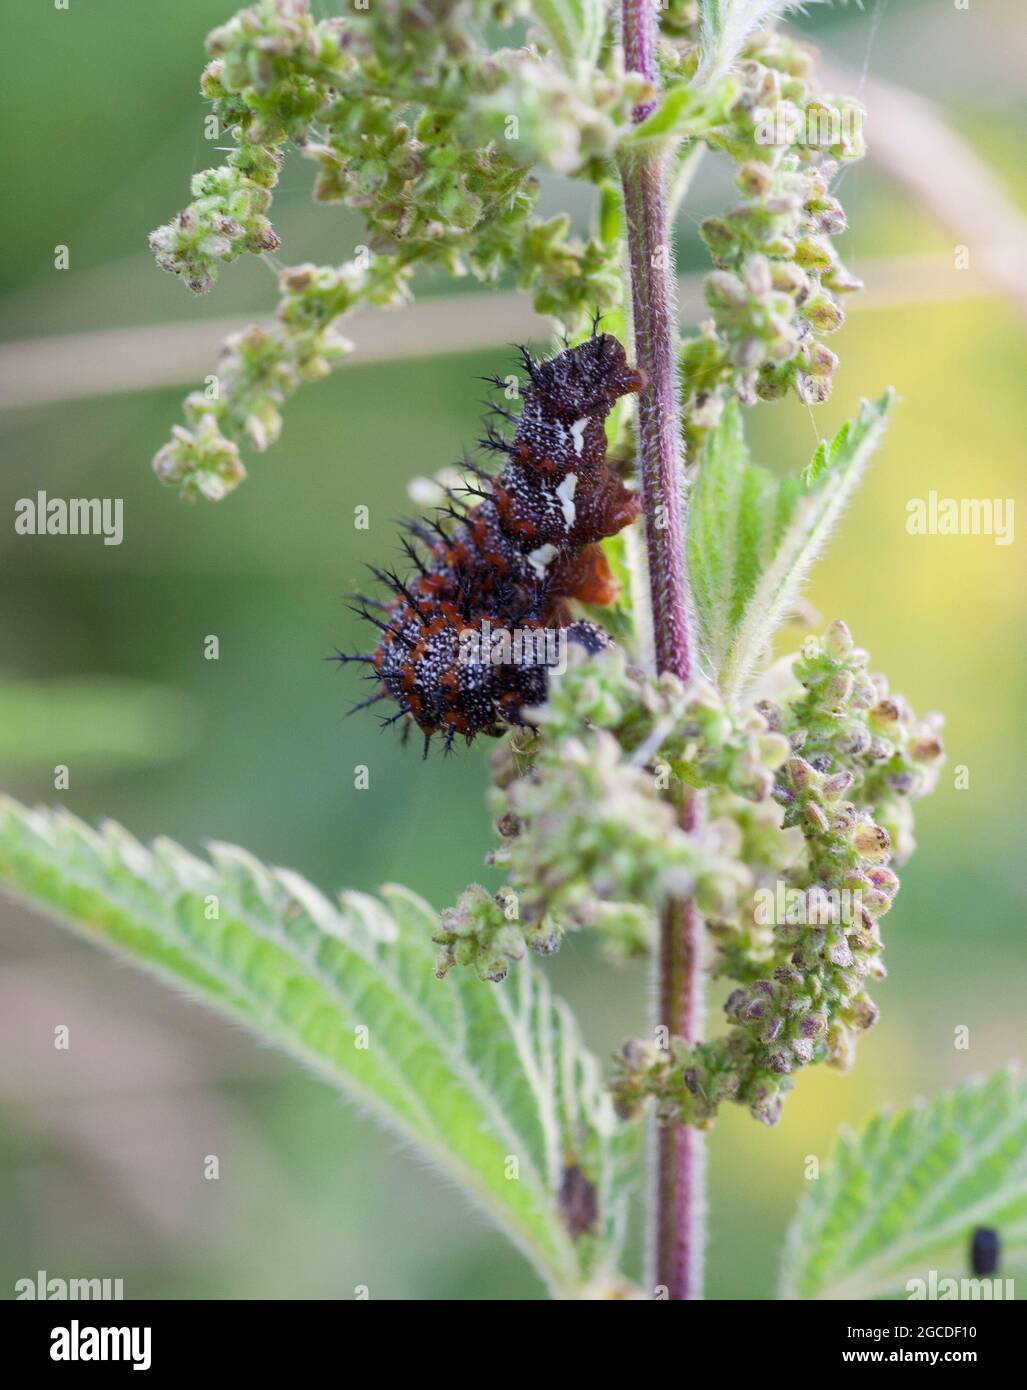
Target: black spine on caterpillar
467, 640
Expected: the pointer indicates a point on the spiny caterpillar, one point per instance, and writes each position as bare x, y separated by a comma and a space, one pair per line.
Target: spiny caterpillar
510, 563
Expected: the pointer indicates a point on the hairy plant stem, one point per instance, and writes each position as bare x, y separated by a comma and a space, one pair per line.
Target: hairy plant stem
677, 1239
680, 1177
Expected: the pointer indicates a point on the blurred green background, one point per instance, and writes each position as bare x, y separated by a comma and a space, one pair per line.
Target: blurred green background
101, 1148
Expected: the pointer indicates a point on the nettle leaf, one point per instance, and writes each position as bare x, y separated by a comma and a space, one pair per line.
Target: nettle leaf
721, 527
691, 108
683, 110
492, 1082
724, 27
575, 28
753, 538
904, 1197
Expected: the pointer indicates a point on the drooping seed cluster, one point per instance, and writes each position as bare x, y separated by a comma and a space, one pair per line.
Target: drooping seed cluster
804, 967
590, 830
778, 285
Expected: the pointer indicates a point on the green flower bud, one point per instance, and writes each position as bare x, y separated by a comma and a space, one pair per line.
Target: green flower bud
813, 253
755, 178
200, 462
718, 236
478, 933
823, 313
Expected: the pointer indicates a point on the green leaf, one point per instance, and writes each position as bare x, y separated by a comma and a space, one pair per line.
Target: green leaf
752, 539
493, 1083
682, 111
905, 1196
575, 28
724, 28
712, 529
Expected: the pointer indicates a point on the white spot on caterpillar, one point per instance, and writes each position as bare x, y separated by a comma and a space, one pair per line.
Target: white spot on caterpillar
565, 492
578, 433
539, 559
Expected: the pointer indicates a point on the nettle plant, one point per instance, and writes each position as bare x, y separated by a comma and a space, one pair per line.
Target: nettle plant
664, 785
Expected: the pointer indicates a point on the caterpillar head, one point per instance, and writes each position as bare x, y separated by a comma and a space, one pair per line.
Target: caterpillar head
585, 380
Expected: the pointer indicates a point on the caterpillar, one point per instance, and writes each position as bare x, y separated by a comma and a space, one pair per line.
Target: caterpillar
467, 640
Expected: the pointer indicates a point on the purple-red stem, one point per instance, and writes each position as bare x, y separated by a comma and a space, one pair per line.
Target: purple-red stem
679, 1200
680, 1180
661, 461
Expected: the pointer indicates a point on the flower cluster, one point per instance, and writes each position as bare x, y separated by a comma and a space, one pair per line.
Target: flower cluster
571, 122
261, 367
269, 66
849, 721
775, 291
567, 276
589, 815
226, 217
267, 82
803, 975
686, 733
484, 931
417, 125
424, 196
370, 100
